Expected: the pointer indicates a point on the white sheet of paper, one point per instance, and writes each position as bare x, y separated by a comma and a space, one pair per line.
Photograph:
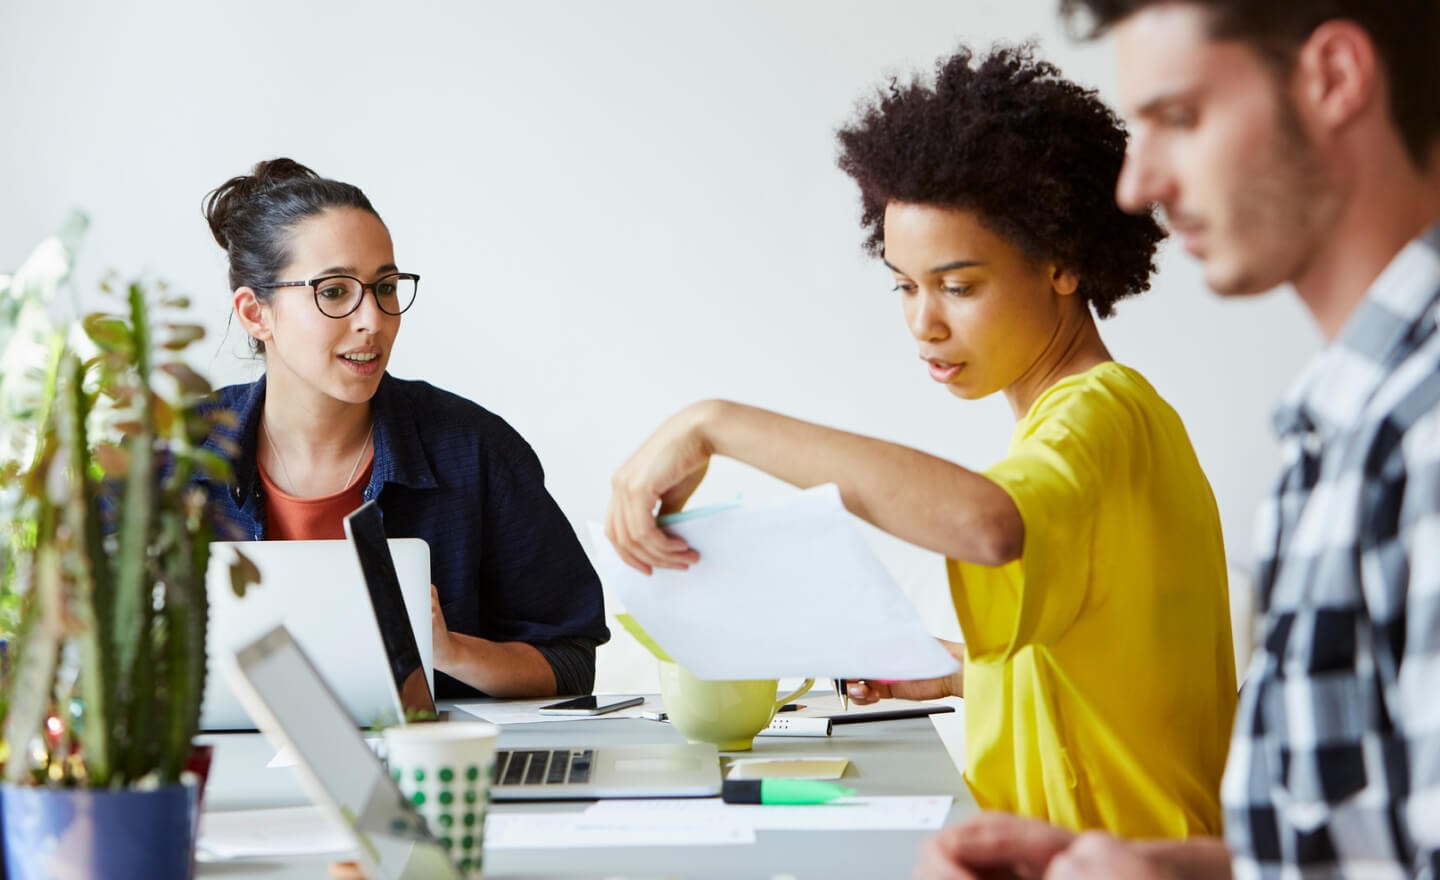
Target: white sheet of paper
527, 711
951, 728
282, 831
847, 814
286, 757
583, 829
784, 588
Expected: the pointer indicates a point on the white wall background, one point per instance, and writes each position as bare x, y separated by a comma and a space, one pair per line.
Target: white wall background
617, 208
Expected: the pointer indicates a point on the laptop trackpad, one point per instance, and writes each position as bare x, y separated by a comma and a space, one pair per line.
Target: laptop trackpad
652, 766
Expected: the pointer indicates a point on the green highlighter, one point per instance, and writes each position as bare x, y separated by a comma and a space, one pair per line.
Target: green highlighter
792, 792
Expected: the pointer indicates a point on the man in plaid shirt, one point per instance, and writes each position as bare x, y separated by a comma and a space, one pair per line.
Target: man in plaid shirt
1299, 142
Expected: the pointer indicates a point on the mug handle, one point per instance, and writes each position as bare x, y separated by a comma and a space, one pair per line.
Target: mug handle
805, 686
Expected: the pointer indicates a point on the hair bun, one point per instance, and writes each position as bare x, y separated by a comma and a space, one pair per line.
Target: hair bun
271, 173
235, 194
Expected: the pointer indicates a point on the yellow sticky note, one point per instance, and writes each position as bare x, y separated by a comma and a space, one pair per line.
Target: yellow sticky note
824, 767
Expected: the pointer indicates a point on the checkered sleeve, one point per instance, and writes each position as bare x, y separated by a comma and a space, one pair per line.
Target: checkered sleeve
1416, 632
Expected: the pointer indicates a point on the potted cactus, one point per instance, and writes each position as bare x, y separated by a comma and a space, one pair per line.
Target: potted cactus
106, 546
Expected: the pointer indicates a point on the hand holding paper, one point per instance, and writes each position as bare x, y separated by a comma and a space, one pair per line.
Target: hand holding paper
781, 589
665, 470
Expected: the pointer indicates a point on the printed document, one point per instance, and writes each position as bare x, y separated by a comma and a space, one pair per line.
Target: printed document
786, 588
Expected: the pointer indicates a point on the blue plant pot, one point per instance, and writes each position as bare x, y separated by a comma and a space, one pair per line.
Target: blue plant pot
100, 834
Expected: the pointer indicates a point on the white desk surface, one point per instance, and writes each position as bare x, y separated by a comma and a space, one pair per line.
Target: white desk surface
903, 757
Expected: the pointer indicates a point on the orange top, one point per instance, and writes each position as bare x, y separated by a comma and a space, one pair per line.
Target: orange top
288, 518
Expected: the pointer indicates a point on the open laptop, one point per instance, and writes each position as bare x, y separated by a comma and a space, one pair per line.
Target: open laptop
300, 715
279, 686
550, 773
661, 770
319, 591
411, 680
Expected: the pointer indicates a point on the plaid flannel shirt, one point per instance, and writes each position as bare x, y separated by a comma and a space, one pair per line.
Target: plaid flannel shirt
1334, 766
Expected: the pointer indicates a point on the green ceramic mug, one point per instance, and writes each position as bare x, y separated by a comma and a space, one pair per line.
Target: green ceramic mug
726, 713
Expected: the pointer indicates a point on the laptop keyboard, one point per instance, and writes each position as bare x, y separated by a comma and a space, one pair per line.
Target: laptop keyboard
543, 766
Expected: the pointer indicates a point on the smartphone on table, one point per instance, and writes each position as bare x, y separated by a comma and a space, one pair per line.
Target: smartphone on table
590, 705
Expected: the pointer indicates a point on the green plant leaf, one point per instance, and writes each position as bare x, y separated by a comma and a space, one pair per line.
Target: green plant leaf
181, 335
114, 460
162, 414
211, 465
244, 574
36, 660
129, 427
190, 381
112, 626
110, 333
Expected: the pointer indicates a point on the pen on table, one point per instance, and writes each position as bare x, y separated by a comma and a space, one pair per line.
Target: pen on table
842, 690
793, 792
891, 714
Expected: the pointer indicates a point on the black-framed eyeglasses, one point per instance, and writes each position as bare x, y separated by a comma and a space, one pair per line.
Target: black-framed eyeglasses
339, 296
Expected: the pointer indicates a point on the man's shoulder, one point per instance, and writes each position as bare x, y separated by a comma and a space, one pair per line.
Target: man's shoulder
1408, 396
1411, 405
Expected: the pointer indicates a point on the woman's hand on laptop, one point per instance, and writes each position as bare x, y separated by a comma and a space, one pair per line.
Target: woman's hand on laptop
500, 669
442, 645
866, 691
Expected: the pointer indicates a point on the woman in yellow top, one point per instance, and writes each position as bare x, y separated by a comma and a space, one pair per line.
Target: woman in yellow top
1086, 566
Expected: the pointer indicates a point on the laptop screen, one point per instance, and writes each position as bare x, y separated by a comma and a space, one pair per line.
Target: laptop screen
367, 534
317, 589
298, 711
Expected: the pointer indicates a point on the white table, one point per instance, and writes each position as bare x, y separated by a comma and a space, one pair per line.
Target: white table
903, 757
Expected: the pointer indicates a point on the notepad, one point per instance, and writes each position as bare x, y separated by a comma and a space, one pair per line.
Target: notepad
821, 767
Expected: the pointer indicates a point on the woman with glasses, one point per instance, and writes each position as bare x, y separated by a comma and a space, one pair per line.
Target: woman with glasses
516, 606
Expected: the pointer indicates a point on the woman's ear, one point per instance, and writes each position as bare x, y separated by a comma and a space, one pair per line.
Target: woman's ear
254, 315
1063, 281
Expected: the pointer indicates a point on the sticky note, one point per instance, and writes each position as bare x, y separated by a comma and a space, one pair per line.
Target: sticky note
822, 767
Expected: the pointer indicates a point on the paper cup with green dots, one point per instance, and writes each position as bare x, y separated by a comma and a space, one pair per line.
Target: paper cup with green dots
444, 769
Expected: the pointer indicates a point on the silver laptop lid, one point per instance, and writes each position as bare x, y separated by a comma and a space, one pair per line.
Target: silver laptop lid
316, 589
281, 689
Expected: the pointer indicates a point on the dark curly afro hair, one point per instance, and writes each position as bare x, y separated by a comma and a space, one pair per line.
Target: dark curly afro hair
1034, 155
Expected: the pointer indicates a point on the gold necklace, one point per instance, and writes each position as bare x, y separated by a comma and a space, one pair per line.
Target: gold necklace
369, 435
